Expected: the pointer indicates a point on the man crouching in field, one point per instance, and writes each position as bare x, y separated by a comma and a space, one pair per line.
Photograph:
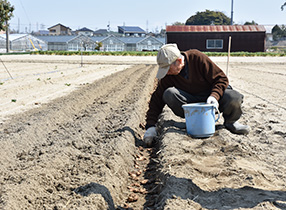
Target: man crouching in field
191, 77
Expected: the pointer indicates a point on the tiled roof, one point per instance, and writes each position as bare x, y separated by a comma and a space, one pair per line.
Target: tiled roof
101, 31
60, 25
216, 28
85, 29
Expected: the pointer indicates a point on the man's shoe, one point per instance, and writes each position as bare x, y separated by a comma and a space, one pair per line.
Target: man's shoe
180, 125
148, 141
237, 128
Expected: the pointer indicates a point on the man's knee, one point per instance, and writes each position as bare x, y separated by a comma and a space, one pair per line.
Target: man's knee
231, 98
174, 100
169, 95
236, 98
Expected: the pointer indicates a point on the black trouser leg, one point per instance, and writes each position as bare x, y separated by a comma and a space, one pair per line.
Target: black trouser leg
230, 105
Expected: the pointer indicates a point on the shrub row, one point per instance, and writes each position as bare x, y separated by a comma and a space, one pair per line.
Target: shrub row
15, 53
135, 53
124, 53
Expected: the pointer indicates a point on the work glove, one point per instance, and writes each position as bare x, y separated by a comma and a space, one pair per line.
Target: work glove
212, 100
149, 136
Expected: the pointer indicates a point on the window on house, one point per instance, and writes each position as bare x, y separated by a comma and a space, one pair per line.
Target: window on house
214, 44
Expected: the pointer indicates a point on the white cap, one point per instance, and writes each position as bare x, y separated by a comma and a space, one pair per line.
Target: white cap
167, 54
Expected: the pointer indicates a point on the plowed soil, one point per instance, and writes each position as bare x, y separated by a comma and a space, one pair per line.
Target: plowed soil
82, 148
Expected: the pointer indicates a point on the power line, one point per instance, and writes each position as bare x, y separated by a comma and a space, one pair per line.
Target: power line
25, 12
6, 68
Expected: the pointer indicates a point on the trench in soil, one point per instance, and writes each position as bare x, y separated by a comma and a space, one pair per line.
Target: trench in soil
83, 150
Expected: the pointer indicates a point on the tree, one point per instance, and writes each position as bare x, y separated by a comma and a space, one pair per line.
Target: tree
284, 5
178, 24
208, 18
278, 32
6, 12
250, 23
99, 45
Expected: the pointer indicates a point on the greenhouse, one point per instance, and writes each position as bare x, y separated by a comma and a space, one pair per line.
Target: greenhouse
26, 42
56, 42
148, 43
69, 42
112, 43
2, 44
81, 42
22, 42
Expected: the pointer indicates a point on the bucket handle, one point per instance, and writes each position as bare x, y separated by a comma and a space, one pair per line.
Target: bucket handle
218, 116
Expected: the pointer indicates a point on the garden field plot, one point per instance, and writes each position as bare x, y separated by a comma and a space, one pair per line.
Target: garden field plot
28, 81
82, 147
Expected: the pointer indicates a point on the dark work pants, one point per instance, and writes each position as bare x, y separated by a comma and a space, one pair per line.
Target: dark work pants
229, 104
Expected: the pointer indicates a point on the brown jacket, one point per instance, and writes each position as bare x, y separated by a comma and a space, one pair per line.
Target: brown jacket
204, 75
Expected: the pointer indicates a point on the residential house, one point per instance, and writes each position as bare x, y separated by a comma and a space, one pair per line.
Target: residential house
131, 31
84, 31
100, 32
59, 29
250, 38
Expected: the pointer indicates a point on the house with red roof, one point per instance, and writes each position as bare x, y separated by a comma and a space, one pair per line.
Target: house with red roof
215, 38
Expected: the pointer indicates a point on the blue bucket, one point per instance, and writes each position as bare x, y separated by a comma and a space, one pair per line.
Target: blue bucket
200, 119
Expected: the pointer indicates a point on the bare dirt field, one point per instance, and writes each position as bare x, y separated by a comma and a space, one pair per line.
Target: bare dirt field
71, 138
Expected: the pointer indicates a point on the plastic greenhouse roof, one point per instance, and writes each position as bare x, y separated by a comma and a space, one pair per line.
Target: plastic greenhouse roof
98, 38
64, 38
12, 37
131, 40
68, 38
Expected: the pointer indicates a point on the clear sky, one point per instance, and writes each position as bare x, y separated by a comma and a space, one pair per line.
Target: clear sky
150, 15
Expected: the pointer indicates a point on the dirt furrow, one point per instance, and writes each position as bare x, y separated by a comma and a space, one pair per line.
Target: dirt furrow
77, 151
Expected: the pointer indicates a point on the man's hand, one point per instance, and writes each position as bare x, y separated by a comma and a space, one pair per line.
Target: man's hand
212, 100
149, 135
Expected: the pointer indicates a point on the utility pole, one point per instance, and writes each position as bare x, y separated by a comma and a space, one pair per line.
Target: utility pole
18, 25
147, 26
231, 21
7, 37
